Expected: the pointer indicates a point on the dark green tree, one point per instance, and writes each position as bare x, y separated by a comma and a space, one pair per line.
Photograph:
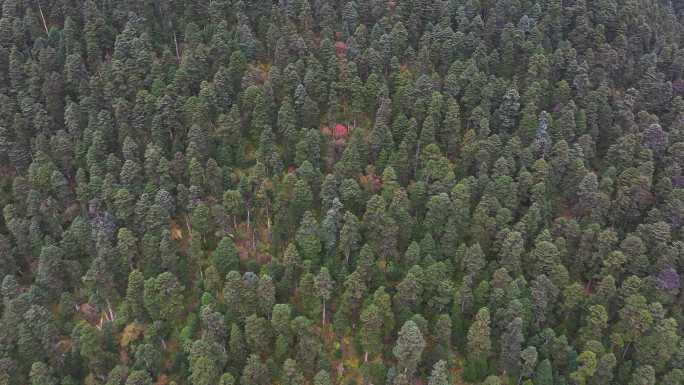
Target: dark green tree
409, 347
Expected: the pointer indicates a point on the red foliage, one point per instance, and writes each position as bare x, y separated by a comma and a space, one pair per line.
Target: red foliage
341, 48
341, 130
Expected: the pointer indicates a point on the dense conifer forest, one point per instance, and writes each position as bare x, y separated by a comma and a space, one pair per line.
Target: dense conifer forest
332, 192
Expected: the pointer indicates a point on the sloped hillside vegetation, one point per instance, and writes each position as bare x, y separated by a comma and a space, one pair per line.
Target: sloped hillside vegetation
332, 192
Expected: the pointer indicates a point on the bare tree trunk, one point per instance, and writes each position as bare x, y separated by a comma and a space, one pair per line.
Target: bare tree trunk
42, 18
323, 312
111, 313
248, 218
253, 239
626, 349
268, 217
187, 224
415, 161
175, 42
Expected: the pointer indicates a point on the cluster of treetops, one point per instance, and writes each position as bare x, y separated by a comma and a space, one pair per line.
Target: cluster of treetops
318, 192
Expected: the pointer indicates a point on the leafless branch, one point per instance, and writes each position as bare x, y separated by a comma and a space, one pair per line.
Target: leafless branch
175, 41
42, 18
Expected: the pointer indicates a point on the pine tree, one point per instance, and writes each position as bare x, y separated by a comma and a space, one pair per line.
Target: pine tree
479, 342
306, 290
322, 378
225, 257
203, 371
227, 379
268, 155
308, 238
439, 374
324, 286
255, 372
134, 295
41, 374
163, 297
511, 342
257, 334
507, 113
544, 374
266, 292
139, 377
409, 347
371, 331
291, 373
236, 346
350, 237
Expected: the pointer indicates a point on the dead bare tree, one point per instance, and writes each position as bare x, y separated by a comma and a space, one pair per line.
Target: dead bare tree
42, 18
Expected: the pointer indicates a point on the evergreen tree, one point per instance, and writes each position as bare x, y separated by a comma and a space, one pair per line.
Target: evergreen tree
439, 375
324, 286
188, 188
511, 341
371, 330
163, 297
255, 372
225, 257
479, 345
409, 347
